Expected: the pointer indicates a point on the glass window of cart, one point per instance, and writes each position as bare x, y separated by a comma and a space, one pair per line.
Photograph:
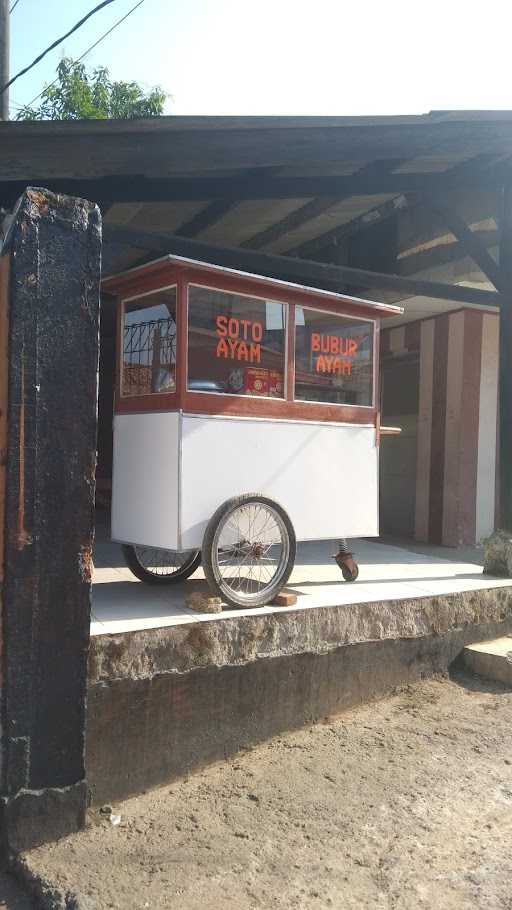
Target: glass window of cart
149, 344
236, 344
333, 358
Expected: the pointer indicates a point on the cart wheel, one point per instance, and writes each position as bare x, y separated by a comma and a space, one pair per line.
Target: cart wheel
160, 567
249, 550
350, 574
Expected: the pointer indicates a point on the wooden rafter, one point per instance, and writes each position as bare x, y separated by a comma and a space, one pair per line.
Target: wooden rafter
432, 257
315, 207
207, 217
306, 212
316, 274
336, 235
477, 171
215, 211
470, 242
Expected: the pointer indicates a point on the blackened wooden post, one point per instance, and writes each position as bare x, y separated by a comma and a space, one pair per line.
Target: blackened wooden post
505, 364
54, 252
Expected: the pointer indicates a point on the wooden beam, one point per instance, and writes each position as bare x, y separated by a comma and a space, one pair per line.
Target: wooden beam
315, 207
477, 172
136, 188
505, 366
216, 210
207, 217
442, 254
470, 241
304, 213
316, 274
368, 219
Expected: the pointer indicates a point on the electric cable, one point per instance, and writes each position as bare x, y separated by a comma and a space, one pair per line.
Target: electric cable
55, 44
14, 5
89, 49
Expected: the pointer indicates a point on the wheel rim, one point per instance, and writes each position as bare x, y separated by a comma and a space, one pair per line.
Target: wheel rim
251, 548
162, 563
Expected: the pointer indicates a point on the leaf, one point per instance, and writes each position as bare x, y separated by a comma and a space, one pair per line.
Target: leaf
81, 95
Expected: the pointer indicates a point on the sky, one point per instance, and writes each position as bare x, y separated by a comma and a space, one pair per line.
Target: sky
288, 57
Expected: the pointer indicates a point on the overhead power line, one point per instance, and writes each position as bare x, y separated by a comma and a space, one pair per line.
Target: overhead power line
14, 5
55, 44
91, 48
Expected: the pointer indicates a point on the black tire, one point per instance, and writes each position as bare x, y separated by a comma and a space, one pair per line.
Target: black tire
348, 575
183, 571
210, 552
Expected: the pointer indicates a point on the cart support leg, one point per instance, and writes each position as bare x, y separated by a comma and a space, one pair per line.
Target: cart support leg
345, 560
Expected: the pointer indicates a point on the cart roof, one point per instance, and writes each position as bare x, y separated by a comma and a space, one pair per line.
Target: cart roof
116, 283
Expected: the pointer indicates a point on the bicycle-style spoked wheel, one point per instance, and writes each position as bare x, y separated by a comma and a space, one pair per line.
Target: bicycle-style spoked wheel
160, 567
249, 550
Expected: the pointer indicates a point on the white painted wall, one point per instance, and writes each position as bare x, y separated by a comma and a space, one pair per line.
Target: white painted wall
486, 469
424, 431
324, 475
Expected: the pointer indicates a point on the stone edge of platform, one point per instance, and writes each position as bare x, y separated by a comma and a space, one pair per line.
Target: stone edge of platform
236, 641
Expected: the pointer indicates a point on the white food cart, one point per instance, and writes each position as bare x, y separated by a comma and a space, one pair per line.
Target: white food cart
246, 418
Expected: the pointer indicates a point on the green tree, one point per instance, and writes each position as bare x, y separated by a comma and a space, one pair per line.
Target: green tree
79, 95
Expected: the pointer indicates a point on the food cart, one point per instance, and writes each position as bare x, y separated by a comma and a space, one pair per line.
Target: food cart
246, 418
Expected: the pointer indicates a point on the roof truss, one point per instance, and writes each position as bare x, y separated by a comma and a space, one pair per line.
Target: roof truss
316, 274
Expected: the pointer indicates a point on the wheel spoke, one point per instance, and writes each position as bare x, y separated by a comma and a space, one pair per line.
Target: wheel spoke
162, 563
251, 551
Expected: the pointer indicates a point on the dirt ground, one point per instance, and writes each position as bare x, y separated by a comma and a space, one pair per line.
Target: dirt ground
403, 803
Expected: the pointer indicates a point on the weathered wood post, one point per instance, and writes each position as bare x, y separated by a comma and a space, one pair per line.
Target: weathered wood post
50, 271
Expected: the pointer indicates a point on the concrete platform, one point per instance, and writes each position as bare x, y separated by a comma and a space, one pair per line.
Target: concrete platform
171, 690
121, 603
492, 659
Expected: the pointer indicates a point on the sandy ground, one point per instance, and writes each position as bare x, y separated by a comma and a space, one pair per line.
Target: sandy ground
400, 804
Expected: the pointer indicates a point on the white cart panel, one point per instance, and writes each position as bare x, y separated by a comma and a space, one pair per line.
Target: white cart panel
145, 479
325, 475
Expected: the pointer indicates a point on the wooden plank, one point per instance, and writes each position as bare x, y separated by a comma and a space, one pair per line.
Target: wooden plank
316, 274
5, 262
178, 144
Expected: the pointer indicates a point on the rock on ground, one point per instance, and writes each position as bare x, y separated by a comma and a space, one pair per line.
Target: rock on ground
403, 803
498, 554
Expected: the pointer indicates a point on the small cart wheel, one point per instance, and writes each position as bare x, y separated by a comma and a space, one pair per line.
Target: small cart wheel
160, 567
350, 574
249, 550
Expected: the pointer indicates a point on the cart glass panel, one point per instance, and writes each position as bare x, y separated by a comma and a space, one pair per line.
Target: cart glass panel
333, 358
149, 344
236, 344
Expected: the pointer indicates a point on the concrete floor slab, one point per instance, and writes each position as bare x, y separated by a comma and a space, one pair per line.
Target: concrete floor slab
121, 603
